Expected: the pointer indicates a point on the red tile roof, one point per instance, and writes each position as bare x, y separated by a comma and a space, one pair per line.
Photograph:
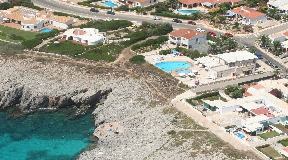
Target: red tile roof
247, 94
247, 12
263, 111
139, 1
210, 1
258, 86
285, 149
286, 33
186, 33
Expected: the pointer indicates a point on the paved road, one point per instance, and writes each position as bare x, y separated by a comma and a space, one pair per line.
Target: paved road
248, 40
231, 82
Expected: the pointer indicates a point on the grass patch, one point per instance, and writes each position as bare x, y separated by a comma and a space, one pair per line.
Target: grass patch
284, 142
282, 128
269, 151
6, 31
65, 48
269, 135
96, 56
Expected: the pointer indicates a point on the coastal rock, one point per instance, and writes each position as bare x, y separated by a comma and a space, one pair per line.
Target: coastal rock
11, 96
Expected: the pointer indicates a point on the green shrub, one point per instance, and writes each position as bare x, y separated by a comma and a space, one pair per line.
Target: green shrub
150, 42
206, 95
66, 48
138, 59
11, 48
29, 44
69, 15
171, 132
165, 52
105, 26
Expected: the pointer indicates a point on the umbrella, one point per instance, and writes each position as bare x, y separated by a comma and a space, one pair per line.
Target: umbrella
239, 109
191, 74
182, 74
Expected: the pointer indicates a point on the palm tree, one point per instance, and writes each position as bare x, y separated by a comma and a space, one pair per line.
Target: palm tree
264, 39
276, 45
173, 3
140, 10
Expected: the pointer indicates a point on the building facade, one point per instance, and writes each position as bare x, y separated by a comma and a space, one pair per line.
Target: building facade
187, 38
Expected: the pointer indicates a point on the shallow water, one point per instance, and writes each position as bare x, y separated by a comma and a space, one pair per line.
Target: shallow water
44, 136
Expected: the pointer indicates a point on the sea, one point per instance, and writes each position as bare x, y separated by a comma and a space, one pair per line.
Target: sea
44, 136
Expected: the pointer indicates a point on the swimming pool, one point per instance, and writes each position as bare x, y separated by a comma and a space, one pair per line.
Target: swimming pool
187, 11
169, 66
240, 135
45, 30
109, 3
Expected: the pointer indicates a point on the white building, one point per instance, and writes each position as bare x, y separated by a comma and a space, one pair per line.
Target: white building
89, 36
249, 15
31, 19
142, 3
280, 5
229, 64
187, 38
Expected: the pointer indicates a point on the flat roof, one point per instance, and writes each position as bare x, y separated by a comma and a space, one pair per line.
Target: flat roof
256, 119
209, 61
250, 105
253, 126
237, 56
220, 68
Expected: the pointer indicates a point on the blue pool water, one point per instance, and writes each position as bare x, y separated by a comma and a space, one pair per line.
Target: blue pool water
187, 11
184, 71
169, 66
44, 136
45, 30
110, 4
240, 135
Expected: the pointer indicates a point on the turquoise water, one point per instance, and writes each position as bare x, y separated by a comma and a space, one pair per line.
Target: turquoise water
169, 66
44, 136
187, 11
184, 71
110, 4
45, 30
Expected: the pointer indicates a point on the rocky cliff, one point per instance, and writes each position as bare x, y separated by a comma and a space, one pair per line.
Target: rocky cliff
28, 100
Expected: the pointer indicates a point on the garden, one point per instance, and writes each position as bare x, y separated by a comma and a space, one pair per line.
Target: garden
270, 134
269, 151
149, 45
15, 35
234, 91
198, 100
284, 142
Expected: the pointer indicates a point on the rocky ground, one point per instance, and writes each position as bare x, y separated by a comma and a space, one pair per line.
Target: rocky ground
151, 128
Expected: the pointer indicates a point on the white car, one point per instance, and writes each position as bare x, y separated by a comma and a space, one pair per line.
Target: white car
198, 29
246, 47
157, 18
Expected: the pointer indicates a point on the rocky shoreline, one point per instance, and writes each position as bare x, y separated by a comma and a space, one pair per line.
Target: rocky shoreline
132, 121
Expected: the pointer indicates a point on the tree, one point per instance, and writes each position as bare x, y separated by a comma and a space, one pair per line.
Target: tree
236, 25
252, 49
173, 3
248, 28
264, 40
221, 19
273, 13
276, 45
140, 10
237, 94
224, 7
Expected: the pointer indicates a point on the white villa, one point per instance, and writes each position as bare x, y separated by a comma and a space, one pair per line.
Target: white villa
205, 3
249, 15
89, 36
187, 38
280, 5
229, 64
31, 19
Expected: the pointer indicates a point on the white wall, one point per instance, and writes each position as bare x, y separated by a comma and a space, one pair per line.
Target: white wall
60, 25
31, 27
195, 41
257, 19
229, 109
147, 3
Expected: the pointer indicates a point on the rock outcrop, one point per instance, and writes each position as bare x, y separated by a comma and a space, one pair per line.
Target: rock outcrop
28, 100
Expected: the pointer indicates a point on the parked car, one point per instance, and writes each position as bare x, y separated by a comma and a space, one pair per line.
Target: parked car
192, 22
111, 12
246, 47
276, 67
198, 29
94, 10
283, 56
177, 21
258, 55
157, 18
268, 62
212, 33
228, 34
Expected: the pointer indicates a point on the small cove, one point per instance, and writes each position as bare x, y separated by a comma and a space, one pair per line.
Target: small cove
44, 136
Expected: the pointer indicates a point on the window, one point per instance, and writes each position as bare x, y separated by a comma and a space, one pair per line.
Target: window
27, 27
154, 0
150, 1
197, 40
35, 26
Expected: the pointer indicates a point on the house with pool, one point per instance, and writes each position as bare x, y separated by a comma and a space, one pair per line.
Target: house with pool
228, 64
248, 15
205, 3
33, 20
187, 38
88, 36
257, 111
